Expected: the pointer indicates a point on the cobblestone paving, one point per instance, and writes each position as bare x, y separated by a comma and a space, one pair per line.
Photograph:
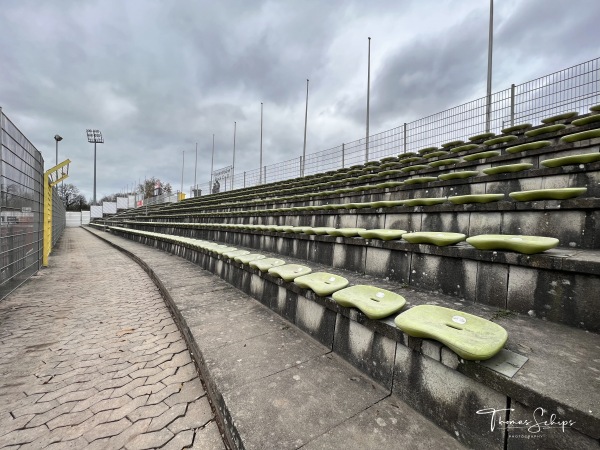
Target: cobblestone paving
91, 358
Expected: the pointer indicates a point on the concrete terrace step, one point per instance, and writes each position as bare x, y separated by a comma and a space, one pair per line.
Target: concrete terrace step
556, 366
548, 285
274, 386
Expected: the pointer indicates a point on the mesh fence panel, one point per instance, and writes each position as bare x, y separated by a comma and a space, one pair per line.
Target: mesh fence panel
21, 207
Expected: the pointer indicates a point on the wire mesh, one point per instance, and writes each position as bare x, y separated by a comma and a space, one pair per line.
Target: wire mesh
573, 89
21, 207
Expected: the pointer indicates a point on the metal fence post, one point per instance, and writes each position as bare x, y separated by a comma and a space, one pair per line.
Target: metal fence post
404, 136
301, 167
244, 179
512, 105
343, 155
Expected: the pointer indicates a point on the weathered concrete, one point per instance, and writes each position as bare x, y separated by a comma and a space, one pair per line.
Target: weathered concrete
91, 358
275, 386
544, 381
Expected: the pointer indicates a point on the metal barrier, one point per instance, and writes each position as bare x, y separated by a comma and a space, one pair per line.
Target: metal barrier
21, 207
573, 89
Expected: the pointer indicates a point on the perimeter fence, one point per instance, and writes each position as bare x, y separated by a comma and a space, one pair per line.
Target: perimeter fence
21, 207
573, 89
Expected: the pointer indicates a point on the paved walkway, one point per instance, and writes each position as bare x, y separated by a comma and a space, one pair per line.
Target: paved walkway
91, 358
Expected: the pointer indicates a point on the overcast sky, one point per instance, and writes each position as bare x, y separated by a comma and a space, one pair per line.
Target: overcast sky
158, 76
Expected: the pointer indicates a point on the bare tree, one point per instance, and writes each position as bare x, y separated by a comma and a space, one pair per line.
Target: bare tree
71, 197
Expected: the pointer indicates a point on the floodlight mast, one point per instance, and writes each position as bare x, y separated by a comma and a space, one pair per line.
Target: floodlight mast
95, 137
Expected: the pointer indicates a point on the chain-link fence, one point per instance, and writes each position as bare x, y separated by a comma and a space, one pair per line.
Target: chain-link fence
21, 207
573, 89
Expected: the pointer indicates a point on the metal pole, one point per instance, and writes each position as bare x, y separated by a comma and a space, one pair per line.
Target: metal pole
212, 162
244, 179
56, 151
512, 105
195, 168
182, 167
301, 166
261, 137
404, 135
368, 102
233, 163
94, 174
489, 72
343, 155
305, 124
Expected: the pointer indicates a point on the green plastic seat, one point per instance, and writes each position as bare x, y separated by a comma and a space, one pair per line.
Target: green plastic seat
470, 337
322, 283
544, 130
299, 230
586, 120
374, 302
464, 148
387, 184
547, 194
427, 150
414, 168
425, 201
435, 154
452, 144
458, 175
590, 134
595, 108
286, 229
420, 180
264, 264
388, 203
245, 259
432, 237
475, 198
321, 230
482, 136
500, 140
288, 272
220, 249
234, 253
359, 205
515, 128
558, 117
522, 244
585, 158
531, 146
444, 162
509, 168
381, 233
481, 155
410, 159
344, 232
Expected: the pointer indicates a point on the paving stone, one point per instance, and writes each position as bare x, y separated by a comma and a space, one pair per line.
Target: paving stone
181, 440
197, 415
41, 419
23, 436
208, 438
150, 440
68, 368
128, 408
69, 419
149, 411
106, 430
110, 403
168, 416
165, 393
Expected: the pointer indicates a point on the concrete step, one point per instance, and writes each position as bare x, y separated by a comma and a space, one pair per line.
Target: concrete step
544, 365
272, 384
549, 285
